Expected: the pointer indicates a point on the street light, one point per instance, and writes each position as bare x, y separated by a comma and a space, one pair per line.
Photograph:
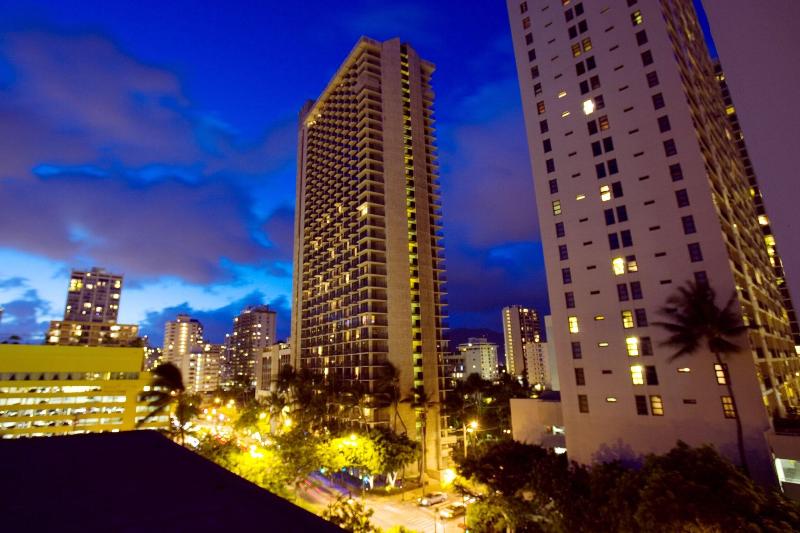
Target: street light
472, 427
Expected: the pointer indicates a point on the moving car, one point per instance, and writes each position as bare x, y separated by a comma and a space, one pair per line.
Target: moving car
453, 510
432, 498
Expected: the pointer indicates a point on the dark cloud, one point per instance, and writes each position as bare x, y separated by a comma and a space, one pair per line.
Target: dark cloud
22, 317
13, 283
216, 322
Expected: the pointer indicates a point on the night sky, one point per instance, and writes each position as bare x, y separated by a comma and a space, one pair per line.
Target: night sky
157, 139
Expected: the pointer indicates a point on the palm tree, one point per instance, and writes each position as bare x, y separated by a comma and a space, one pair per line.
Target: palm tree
388, 387
165, 389
421, 403
696, 321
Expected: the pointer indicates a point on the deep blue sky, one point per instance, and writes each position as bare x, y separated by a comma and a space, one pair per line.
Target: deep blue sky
157, 139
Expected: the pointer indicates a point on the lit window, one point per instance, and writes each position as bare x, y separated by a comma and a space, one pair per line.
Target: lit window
587, 44
632, 265
627, 319
721, 372
588, 106
684, 370
727, 407
762, 219
636, 17
637, 374
363, 209
556, 207
611, 399
656, 406
632, 345
565, 114
618, 265
602, 344
580, 197
605, 193
573, 324
562, 94
599, 317
576, 50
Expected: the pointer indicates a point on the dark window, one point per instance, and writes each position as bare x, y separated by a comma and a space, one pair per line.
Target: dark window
609, 214
682, 197
543, 128
584, 86
578, 9
534, 72
580, 378
523, 7
576, 350
608, 144
695, 253
596, 148
651, 377
569, 300
641, 37
566, 276
613, 241
601, 170
550, 165
569, 15
560, 229
612, 166
528, 38
572, 31
641, 405
622, 213
594, 81
663, 124
532, 55
652, 79
627, 239
599, 103
553, 186
641, 317
622, 292
658, 101
646, 346
591, 64
592, 127
616, 189
547, 145
580, 68
701, 278
636, 290
583, 403
537, 89
676, 172
669, 148
562, 252
688, 225
647, 57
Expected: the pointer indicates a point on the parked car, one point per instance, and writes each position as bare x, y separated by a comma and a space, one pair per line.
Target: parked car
453, 510
432, 498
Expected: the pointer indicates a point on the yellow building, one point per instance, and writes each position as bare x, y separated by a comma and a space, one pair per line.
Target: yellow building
59, 390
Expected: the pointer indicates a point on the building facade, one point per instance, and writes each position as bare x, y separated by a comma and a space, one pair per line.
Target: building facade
183, 344
369, 259
479, 356
61, 390
269, 365
93, 296
520, 326
73, 333
254, 330
640, 189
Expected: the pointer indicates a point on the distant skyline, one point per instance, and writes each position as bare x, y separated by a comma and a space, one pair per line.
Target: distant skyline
158, 141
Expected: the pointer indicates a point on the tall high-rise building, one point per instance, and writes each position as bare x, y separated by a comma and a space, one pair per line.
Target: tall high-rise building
520, 326
183, 344
479, 356
253, 332
640, 189
90, 314
93, 296
368, 258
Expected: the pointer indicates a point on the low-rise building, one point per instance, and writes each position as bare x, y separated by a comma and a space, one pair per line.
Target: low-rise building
269, 365
60, 390
539, 421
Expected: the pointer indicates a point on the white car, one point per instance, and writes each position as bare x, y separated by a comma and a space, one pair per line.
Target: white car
432, 498
453, 510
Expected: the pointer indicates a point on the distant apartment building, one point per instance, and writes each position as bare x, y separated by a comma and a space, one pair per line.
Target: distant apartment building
520, 327
640, 188
90, 314
183, 344
269, 365
203, 372
254, 330
62, 390
369, 269
479, 356
538, 365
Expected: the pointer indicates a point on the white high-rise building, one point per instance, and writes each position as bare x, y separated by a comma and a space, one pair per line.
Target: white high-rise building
254, 330
479, 357
640, 189
520, 327
183, 343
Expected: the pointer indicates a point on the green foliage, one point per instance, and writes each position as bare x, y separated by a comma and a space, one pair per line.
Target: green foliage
350, 515
688, 489
377, 452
